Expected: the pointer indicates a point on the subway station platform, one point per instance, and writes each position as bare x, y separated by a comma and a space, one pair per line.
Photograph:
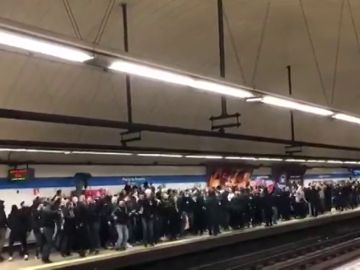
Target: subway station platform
137, 255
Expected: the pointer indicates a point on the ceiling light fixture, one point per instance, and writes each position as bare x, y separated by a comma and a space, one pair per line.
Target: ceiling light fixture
292, 105
334, 161
254, 99
25, 150
295, 160
159, 155
315, 161
175, 78
241, 158
347, 118
47, 151
350, 162
171, 155
204, 157
101, 153
151, 73
72, 52
148, 155
44, 47
270, 159
221, 89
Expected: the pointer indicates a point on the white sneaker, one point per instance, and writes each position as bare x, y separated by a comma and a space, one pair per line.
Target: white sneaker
10, 259
26, 257
128, 245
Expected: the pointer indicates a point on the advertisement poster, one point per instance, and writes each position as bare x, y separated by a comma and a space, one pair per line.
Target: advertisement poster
287, 175
229, 176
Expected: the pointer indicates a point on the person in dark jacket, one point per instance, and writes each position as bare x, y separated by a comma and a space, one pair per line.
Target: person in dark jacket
267, 206
3, 228
199, 214
148, 207
314, 200
68, 229
82, 234
225, 209
18, 230
256, 209
170, 216
106, 225
49, 217
94, 209
134, 220
36, 210
186, 207
328, 197
121, 219
235, 211
212, 211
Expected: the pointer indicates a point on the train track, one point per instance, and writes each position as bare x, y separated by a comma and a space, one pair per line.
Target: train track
311, 253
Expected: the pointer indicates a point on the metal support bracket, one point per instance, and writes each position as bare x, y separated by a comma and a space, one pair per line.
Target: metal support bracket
225, 120
130, 136
292, 149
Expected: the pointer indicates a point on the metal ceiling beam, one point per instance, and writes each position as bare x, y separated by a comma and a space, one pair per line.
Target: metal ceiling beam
95, 122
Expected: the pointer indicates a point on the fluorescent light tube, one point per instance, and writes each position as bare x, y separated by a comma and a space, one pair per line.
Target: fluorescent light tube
101, 153
315, 161
221, 89
254, 99
12, 150
148, 155
171, 155
37, 45
151, 73
159, 155
25, 150
295, 160
204, 157
347, 118
350, 162
175, 78
240, 158
334, 161
295, 106
270, 159
47, 151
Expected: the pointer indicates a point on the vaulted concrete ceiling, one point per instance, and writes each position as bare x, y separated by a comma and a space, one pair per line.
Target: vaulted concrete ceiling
319, 39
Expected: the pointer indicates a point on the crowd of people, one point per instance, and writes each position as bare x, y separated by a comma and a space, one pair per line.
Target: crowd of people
148, 215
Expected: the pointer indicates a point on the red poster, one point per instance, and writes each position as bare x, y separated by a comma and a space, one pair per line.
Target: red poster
233, 177
95, 193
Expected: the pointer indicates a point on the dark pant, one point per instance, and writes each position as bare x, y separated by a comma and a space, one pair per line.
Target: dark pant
39, 242
148, 230
213, 226
94, 233
132, 230
18, 236
170, 225
2, 239
314, 209
66, 241
82, 240
48, 242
